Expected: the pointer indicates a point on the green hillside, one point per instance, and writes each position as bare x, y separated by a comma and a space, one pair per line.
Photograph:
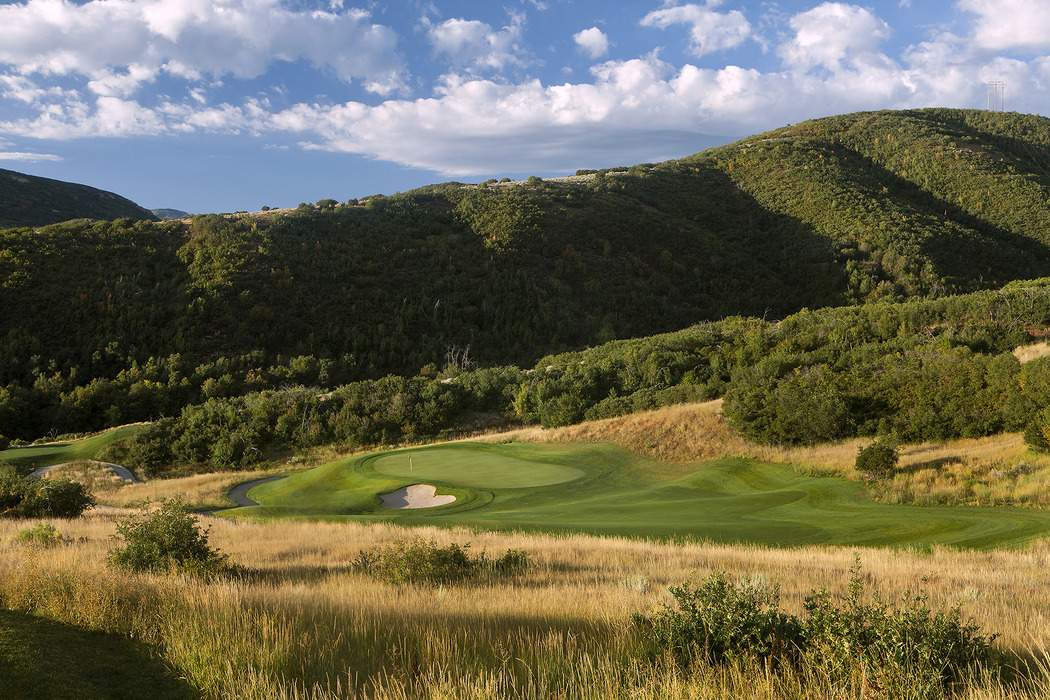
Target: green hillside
27, 200
109, 322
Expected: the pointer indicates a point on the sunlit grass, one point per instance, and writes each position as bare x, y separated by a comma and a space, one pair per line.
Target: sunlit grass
303, 623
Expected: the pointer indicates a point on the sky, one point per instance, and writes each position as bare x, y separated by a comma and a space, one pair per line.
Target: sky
229, 105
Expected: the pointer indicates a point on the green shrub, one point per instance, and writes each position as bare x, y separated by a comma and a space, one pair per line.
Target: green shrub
40, 535
910, 645
421, 561
166, 540
1037, 432
907, 647
878, 460
717, 619
23, 497
5, 442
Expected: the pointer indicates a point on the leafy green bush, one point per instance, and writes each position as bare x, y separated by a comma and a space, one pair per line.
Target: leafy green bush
907, 647
878, 460
166, 540
23, 497
421, 561
717, 619
1037, 432
40, 535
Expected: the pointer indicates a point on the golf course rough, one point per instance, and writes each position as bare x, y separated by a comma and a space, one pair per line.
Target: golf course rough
600, 489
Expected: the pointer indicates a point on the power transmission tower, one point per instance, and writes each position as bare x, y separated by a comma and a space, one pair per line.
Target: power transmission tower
997, 96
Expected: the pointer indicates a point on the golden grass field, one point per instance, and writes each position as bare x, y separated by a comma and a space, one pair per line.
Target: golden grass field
300, 623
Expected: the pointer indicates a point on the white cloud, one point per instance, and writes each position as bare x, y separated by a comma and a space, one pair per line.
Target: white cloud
709, 31
832, 34
120, 44
28, 157
1004, 25
593, 41
626, 111
475, 45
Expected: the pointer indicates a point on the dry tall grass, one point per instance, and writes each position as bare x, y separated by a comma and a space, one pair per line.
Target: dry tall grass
302, 623
1027, 353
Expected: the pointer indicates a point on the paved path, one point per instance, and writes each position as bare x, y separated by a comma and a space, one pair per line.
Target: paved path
120, 471
239, 493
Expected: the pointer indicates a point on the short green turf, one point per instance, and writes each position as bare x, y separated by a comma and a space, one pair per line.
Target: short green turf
26, 459
473, 467
616, 493
41, 660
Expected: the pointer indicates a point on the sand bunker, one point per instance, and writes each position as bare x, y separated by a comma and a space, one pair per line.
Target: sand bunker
415, 496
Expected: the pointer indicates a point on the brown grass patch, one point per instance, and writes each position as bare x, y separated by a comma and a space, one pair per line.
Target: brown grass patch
1027, 353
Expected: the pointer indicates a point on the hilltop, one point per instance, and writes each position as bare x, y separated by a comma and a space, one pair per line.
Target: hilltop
835, 212
27, 200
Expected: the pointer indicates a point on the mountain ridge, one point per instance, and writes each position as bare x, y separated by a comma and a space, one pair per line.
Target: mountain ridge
29, 200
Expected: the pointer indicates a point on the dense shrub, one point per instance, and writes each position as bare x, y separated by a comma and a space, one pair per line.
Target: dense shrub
1037, 432
421, 561
717, 619
165, 540
907, 647
23, 497
878, 460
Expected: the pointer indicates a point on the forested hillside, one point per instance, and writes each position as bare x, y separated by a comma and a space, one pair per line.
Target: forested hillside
106, 322
27, 200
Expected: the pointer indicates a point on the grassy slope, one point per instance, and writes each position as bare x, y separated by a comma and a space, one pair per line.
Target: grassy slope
41, 659
727, 500
26, 459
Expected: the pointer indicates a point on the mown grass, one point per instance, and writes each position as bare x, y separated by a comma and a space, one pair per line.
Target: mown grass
302, 622
26, 459
617, 493
978, 471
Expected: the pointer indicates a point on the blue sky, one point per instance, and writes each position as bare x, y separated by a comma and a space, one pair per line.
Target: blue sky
226, 105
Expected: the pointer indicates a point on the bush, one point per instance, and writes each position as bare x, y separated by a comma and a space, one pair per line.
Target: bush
421, 561
5, 442
1037, 432
40, 535
906, 644
42, 498
878, 460
166, 540
909, 646
717, 619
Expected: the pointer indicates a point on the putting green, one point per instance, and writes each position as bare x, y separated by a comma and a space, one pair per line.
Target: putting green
473, 467
525, 487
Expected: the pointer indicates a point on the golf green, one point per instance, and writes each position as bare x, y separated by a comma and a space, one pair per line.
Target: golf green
472, 467
518, 486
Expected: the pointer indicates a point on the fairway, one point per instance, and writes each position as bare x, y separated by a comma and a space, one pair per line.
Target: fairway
26, 459
472, 467
611, 492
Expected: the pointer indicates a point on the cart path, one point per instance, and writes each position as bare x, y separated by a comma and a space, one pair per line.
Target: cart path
239, 493
120, 471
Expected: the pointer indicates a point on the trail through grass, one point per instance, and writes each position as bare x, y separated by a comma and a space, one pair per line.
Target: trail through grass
617, 493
